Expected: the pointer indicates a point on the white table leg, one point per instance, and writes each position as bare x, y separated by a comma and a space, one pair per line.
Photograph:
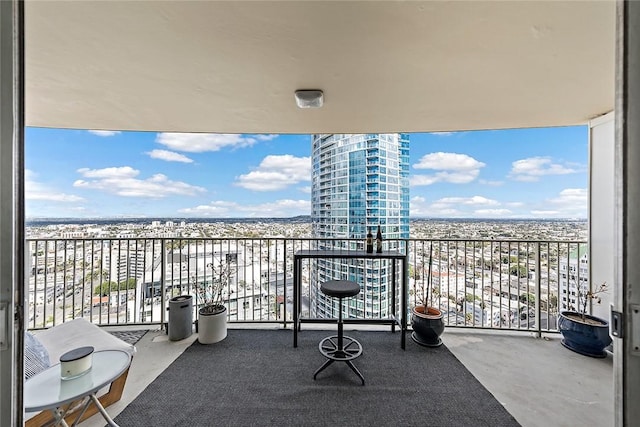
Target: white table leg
58, 415
103, 411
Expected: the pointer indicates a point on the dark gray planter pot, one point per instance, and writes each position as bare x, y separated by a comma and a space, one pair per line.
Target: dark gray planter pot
427, 326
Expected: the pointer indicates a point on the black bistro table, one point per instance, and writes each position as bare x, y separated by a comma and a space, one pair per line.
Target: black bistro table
398, 263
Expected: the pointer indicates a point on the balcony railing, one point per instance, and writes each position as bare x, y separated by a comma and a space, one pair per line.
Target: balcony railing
491, 284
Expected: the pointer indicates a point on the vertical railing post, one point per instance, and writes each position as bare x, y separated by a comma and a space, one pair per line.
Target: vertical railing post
405, 279
284, 288
538, 294
163, 267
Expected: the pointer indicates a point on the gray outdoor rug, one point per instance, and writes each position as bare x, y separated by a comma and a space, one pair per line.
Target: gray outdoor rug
257, 378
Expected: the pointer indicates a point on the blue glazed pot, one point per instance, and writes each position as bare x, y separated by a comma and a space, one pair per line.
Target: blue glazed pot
589, 339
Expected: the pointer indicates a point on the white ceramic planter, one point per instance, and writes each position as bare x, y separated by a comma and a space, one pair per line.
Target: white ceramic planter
212, 328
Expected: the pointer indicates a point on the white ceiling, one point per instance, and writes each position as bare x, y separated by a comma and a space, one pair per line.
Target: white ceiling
384, 66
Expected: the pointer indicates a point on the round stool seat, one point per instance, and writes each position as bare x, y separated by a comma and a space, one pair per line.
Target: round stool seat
340, 288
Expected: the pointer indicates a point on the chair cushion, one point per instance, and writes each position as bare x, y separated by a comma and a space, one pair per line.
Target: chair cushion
76, 333
340, 288
36, 356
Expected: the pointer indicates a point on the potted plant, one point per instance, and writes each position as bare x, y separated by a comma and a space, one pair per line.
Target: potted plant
582, 332
427, 322
212, 313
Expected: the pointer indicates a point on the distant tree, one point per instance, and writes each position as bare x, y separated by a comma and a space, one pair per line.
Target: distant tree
553, 302
175, 244
527, 298
130, 283
96, 275
473, 298
468, 319
106, 288
414, 273
518, 270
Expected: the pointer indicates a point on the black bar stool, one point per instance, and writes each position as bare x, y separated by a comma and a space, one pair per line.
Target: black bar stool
339, 347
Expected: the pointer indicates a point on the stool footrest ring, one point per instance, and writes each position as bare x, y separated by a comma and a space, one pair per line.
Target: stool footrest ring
329, 348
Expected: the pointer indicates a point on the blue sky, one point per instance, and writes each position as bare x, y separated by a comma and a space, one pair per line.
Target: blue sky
520, 173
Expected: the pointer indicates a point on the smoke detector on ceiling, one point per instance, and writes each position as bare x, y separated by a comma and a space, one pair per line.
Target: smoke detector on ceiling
309, 98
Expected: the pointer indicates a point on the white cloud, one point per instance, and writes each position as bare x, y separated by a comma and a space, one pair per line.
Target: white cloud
492, 212
455, 207
220, 209
448, 161
266, 137
122, 181
451, 207
441, 133
515, 204
279, 208
169, 156
475, 200
109, 173
491, 183
201, 142
419, 180
452, 168
461, 177
306, 189
104, 133
571, 197
545, 213
532, 168
276, 172
51, 196
37, 191
418, 206
570, 203
444, 211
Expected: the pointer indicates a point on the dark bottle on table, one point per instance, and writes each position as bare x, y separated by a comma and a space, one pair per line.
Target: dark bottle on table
369, 241
379, 241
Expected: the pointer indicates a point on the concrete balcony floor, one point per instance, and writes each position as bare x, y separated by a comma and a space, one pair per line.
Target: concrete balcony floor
538, 381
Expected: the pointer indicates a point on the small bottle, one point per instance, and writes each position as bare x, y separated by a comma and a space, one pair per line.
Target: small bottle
379, 241
369, 241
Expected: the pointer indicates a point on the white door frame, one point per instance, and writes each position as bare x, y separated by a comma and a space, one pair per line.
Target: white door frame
11, 211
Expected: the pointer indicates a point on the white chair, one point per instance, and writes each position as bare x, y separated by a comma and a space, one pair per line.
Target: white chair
76, 333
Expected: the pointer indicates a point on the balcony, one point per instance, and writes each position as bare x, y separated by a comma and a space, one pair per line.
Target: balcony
538, 381
500, 300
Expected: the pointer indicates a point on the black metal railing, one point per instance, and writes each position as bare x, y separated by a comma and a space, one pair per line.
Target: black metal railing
492, 284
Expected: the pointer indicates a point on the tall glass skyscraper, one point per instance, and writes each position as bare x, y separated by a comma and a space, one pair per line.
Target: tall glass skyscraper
358, 182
